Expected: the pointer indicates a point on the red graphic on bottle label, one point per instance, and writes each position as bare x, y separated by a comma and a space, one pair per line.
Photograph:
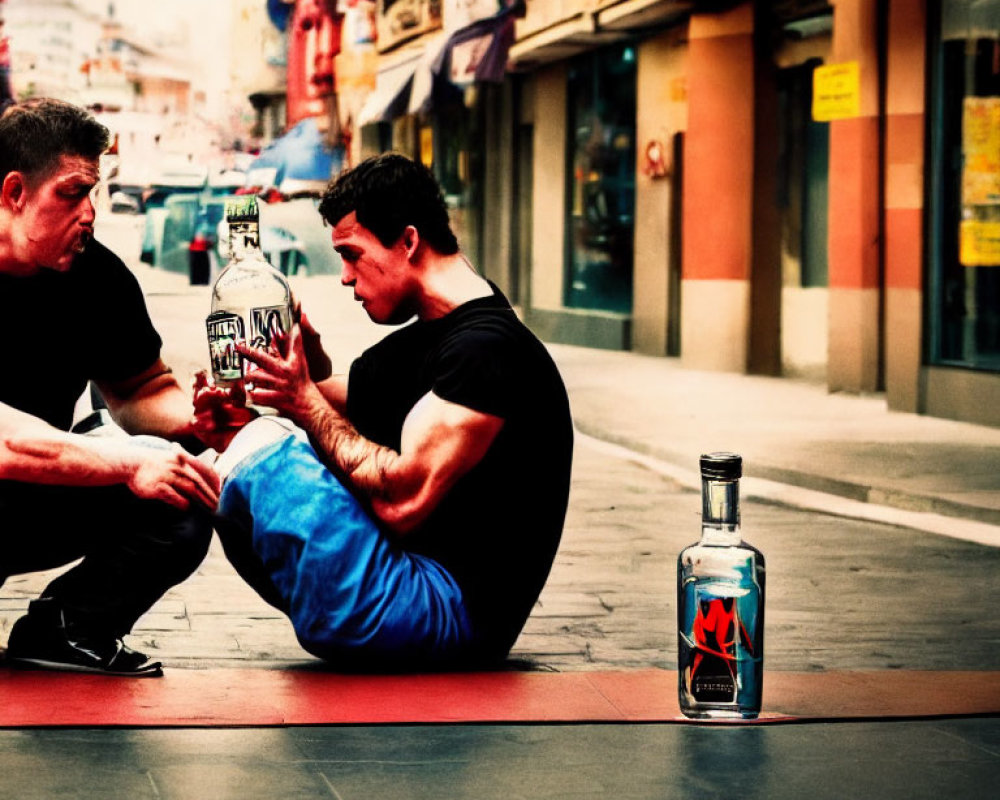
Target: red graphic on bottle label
713, 667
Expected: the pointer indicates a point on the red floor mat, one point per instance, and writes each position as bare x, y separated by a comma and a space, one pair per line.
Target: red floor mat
258, 697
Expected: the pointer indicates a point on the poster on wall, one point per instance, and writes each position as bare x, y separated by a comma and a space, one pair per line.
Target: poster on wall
981, 151
400, 20
836, 92
979, 240
979, 243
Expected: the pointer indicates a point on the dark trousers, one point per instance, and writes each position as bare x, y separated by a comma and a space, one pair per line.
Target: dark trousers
133, 550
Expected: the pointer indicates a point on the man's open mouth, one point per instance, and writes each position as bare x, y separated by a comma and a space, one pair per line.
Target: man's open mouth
82, 240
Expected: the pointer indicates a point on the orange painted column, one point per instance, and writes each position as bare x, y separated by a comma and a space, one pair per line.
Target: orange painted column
854, 284
904, 194
718, 191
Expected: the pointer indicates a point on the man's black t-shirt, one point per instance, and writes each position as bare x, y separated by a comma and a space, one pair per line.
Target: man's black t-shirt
497, 530
64, 329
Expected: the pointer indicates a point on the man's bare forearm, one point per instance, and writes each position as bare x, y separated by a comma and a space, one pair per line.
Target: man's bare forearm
32, 451
62, 459
366, 465
167, 414
158, 407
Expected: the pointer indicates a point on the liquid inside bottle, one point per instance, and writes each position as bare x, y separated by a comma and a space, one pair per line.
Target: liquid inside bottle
720, 605
251, 300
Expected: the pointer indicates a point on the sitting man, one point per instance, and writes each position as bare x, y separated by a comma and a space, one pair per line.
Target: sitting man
138, 515
410, 517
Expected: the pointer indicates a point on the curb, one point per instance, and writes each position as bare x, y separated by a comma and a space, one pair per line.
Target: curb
757, 485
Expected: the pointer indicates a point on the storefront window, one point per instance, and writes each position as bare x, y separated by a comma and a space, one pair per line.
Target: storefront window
601, 124
964, 291
458, 156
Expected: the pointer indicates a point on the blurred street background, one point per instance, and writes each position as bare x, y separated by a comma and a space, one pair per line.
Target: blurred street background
767, 227
801, 189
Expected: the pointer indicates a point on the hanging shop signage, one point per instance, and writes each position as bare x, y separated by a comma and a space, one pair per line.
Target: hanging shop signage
836, 92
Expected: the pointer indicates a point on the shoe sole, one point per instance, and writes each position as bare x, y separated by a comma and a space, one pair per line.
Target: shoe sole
153, 671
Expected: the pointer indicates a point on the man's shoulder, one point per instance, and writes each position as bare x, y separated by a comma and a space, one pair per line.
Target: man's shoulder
494, 333
100, 268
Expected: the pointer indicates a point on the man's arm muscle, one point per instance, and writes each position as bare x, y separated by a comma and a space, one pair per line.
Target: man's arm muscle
441, 441
152, 402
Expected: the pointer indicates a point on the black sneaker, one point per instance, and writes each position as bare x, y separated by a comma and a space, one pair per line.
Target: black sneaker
36, 645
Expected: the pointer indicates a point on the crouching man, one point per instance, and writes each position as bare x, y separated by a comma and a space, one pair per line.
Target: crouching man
406, 515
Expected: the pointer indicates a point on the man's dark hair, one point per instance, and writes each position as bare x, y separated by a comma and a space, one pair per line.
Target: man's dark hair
387, 193
35, 133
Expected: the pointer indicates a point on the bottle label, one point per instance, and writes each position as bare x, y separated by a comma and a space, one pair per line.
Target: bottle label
266, 323
224, 331
718, 652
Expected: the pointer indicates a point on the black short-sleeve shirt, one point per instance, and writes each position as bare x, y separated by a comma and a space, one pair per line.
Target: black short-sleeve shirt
66, 328
498, 529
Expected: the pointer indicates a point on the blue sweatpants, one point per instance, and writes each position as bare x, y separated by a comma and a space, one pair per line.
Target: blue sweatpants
353, 594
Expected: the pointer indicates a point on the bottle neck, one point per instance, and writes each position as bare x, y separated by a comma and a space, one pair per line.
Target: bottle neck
720, 510
244, 240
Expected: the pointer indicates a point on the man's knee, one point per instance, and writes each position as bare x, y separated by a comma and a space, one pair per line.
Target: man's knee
186, 543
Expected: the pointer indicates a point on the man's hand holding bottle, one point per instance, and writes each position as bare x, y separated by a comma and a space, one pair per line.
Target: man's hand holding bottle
220, 413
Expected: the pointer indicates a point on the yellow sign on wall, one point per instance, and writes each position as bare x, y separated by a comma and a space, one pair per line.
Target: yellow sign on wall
979, 244
427, 146
836, 92
981, 151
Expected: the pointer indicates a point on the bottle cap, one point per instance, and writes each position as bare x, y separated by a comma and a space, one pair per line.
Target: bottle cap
242, 208
724, 466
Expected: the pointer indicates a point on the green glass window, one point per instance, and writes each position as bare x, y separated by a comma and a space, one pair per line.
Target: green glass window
601, 178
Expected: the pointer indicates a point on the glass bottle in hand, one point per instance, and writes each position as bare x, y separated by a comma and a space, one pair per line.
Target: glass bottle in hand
251, 300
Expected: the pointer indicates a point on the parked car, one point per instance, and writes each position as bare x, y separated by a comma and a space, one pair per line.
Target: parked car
168, 229
124, 203
185, 229
203, 249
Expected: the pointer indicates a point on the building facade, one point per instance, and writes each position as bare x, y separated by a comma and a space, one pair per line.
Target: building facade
790, 188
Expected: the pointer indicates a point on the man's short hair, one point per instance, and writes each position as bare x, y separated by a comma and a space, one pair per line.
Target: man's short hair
35, 133
387, 193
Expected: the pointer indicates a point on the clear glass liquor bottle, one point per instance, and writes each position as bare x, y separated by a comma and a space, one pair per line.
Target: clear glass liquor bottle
720, 605
251, 300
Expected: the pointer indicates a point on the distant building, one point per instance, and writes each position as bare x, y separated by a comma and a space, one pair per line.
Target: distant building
799, 188
50, 40
257, 73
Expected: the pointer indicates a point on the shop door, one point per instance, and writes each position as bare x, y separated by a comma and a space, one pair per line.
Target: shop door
805, 164
803, 189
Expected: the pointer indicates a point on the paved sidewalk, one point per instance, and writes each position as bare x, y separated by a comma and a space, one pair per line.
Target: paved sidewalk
788, 431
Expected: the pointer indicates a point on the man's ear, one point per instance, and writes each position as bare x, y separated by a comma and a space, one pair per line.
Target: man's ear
13, 191
411, 241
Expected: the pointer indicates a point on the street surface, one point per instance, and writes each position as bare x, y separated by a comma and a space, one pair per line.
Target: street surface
841, 593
